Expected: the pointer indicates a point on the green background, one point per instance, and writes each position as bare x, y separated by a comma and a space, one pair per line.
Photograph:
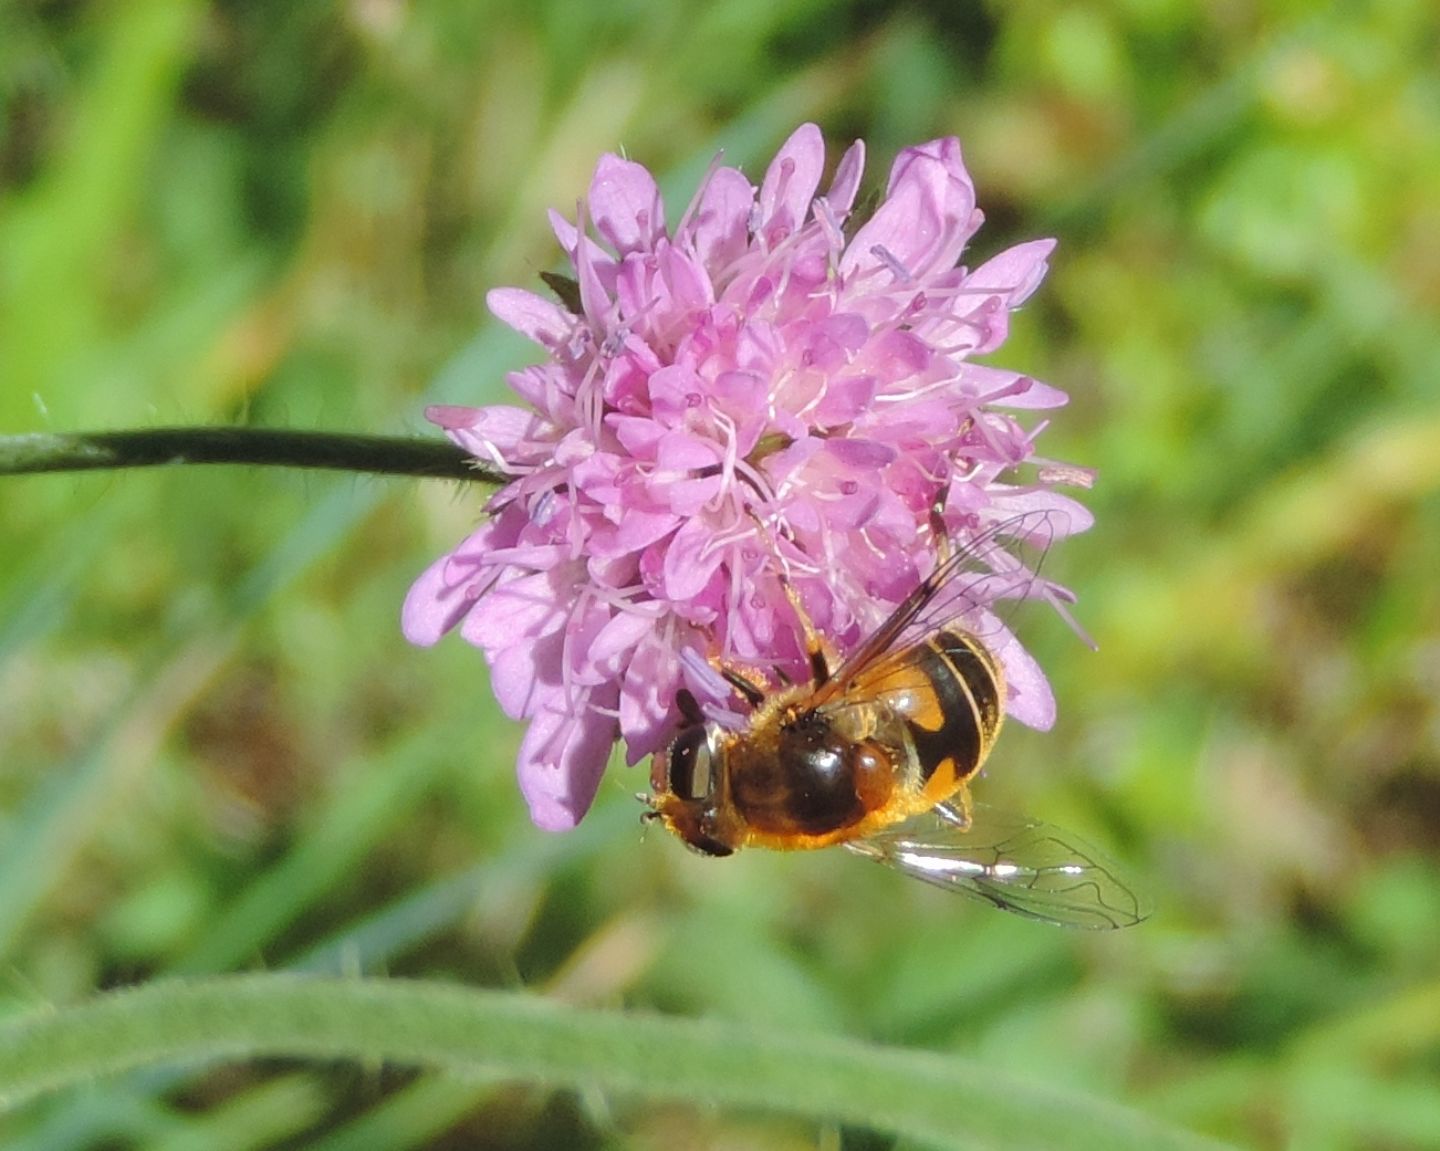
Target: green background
217, 752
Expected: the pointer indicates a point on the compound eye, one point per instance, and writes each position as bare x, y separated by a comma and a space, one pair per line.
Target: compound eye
690, 774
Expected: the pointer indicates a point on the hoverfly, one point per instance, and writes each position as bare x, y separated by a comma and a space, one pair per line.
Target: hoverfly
877, 753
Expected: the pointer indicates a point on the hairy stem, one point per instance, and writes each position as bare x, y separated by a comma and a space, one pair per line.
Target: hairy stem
150, 447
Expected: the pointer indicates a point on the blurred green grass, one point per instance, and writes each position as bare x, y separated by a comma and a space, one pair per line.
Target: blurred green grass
216, 752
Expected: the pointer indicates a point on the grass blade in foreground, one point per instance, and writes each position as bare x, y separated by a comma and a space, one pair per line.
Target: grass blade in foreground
939, 1099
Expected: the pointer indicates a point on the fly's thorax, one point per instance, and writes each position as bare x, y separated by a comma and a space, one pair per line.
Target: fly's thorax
805, 777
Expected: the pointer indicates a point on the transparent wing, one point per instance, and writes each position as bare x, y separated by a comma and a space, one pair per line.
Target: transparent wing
988, 569
1011, 862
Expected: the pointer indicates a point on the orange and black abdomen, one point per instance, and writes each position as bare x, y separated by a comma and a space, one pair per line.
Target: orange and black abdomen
954, 711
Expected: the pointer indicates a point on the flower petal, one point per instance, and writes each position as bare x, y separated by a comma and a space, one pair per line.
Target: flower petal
563, 757
647, 698
790, 183
690, 560
841, 196
927, 216
1009, 389
1015, 273
718, 232
1029, 698
498, 434
1066, 517
520, 610
542, 320
434, 604
625, 205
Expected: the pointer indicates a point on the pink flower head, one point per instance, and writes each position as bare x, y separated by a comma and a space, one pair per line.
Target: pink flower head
749, 395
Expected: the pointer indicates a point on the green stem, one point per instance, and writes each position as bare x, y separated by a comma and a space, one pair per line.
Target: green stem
928, 1096
383, 455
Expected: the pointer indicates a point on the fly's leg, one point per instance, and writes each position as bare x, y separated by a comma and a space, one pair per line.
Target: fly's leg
956, 810
817, 651
821, 657
938, 531
753, 692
